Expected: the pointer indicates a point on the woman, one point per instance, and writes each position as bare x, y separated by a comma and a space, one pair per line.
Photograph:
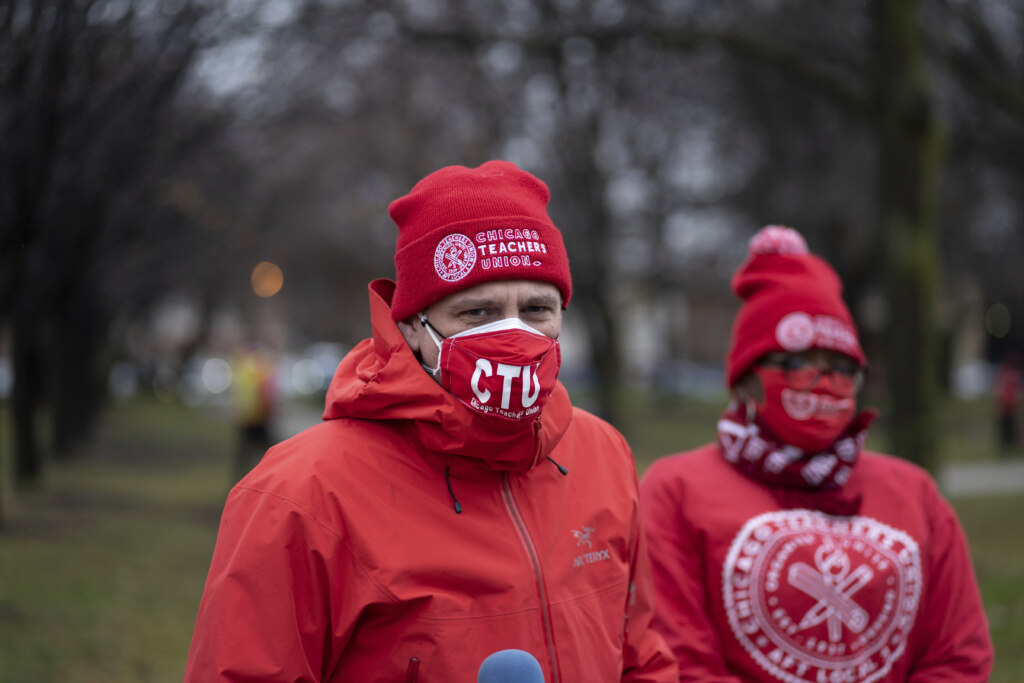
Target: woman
785, 551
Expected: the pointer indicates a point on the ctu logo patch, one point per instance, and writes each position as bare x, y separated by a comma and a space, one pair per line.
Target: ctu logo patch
816, 598
454, 257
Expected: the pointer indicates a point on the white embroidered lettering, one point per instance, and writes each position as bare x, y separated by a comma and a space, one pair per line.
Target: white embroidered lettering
483, 367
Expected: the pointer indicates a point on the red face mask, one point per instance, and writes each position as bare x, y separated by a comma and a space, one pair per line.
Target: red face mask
504, 370
810, 419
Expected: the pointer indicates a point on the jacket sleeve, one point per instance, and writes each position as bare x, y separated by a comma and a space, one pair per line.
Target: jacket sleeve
268, 610
647, 658
952, 627
680, 585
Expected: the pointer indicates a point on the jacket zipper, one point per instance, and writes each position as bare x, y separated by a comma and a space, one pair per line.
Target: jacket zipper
531, 550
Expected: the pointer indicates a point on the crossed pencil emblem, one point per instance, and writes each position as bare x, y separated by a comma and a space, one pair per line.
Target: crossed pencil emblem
833, 591
454, 255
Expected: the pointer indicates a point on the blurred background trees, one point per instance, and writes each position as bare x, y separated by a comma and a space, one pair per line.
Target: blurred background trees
155, 152
87, 113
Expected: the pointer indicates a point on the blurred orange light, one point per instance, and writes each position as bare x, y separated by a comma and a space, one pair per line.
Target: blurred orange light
267, 279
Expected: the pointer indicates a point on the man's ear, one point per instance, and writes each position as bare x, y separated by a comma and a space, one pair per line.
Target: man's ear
410, 328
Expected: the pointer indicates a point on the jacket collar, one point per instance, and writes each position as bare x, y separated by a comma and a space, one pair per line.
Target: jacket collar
381, 379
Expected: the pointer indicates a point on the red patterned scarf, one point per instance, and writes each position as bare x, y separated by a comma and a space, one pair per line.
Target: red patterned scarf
796, 479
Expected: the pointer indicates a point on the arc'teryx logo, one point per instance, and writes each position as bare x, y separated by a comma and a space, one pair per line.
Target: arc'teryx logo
583, 536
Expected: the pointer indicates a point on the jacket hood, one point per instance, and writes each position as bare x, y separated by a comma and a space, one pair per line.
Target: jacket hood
381, 379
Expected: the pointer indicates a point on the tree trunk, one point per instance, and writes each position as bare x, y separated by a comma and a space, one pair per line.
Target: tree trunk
587, 230
25, 400
912, 156
74, 357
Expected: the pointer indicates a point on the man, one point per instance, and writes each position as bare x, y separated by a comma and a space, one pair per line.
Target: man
453, 503
786, 551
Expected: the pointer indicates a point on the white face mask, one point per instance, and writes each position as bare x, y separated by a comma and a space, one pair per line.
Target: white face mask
503, 370
487, 328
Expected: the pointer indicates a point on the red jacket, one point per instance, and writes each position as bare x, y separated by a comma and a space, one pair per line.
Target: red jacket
341, 557
749, 591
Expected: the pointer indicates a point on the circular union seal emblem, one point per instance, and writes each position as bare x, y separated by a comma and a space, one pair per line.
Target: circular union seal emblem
815, 598
795, 332
454, 257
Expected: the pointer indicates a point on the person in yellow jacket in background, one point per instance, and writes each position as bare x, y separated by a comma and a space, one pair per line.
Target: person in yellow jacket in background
254, 404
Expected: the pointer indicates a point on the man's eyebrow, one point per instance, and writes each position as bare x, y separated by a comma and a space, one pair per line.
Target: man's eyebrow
470, 302
542, 300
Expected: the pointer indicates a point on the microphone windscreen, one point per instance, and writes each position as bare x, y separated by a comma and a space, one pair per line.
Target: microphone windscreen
510, 666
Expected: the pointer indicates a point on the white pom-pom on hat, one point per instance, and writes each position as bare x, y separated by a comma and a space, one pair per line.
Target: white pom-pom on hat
778, 239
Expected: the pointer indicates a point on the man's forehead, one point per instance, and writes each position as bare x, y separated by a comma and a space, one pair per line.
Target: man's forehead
522, 291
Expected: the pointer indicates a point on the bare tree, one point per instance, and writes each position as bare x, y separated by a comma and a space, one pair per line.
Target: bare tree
85, 112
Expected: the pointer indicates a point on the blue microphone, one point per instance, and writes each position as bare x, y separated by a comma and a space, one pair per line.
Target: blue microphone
510, 666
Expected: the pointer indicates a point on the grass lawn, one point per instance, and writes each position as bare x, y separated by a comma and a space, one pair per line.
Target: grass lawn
995, 531
102, 568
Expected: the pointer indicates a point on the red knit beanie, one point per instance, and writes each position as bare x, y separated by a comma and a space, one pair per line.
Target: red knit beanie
792, 301
459, 227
